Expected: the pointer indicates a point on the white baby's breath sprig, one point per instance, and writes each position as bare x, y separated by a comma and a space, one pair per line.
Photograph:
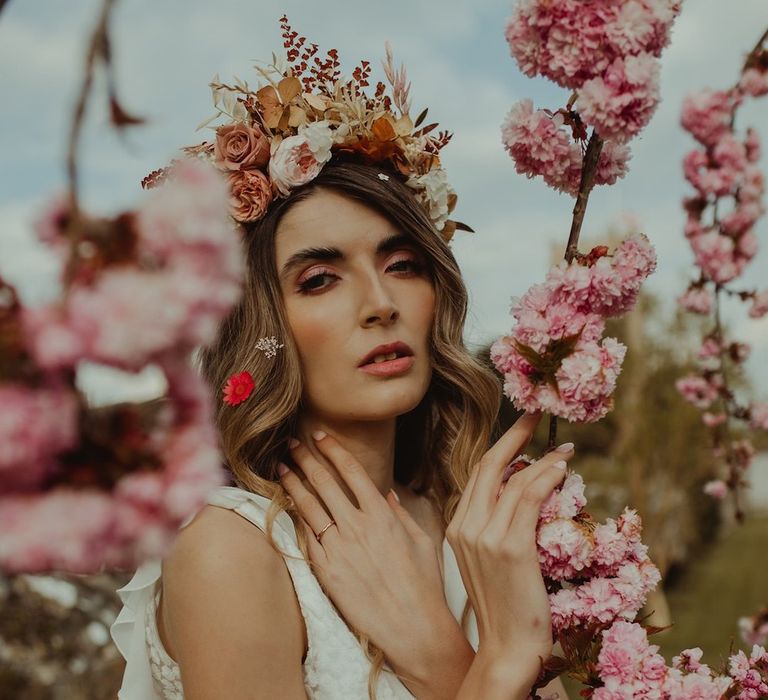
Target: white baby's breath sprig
269, 345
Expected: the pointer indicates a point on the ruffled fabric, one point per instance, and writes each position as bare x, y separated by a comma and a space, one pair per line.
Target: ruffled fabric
335, 665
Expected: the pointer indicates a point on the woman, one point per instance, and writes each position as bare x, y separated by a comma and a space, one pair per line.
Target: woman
345, 264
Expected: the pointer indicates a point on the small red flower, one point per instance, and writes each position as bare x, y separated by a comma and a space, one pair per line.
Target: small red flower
238, 388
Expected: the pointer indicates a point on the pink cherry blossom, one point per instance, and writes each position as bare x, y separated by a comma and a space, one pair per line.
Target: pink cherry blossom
754, 630
622, 101
713, 419
707, 114
696, 300
697, 390
540, 145
717, 256
754, 82
716, 488
35, 426
759, 305
570, 42
759, 416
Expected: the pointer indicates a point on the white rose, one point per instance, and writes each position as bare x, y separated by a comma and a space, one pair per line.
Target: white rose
293, 163
434, 191
320, 138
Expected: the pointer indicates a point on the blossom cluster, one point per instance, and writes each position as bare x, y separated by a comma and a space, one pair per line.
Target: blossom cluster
555, 359
629, 667
754, 629
86, 487
599, 576
607, 55
601, 571
721, 217
280, 136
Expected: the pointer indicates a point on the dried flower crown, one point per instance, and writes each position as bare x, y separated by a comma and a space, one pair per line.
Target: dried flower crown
279, 136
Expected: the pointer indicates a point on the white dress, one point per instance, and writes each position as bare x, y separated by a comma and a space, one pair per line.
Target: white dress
335, 666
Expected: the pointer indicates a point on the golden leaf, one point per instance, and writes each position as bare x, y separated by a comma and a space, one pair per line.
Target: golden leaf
452, 198
404, 126
383, 130
271, 107
449, 228
288, 88
317, 102
421, 117
297, 116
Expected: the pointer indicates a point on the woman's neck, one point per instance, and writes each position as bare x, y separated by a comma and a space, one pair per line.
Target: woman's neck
371, 443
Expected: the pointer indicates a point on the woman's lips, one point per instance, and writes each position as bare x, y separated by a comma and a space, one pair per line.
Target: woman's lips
389, 367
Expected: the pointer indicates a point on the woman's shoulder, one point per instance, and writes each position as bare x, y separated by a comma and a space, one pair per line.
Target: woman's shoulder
221, 558
217, 539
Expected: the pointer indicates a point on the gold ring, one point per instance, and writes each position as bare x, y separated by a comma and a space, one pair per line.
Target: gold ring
320, 534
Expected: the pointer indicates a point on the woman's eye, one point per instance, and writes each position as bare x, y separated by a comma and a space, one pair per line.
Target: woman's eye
309, 284
314, 282
410, 263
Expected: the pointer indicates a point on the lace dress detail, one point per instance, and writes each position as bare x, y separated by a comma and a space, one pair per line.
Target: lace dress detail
335, 666
165, 671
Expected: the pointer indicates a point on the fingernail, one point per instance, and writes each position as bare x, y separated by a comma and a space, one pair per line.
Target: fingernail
282, 469
560, 465
397, 498
565, 447
318, 435
293, 442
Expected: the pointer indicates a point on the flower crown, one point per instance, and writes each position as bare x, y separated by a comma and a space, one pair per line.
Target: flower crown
279, 136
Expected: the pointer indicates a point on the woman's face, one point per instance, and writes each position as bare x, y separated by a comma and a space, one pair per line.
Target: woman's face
346, 302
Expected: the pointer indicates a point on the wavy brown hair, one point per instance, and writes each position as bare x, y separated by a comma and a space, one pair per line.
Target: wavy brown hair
437, 443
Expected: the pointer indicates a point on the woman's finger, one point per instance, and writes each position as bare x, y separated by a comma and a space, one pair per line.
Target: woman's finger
335, 500
518, 485
317, 554
308, 506
483, 485
410, 525
360, 483
526, 515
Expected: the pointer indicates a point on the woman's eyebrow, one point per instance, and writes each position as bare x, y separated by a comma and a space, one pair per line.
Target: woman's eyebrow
386, 245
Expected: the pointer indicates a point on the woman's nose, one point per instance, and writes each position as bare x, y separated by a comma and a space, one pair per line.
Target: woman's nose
378, 305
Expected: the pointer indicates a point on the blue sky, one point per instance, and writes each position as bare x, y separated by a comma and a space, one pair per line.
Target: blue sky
459, 65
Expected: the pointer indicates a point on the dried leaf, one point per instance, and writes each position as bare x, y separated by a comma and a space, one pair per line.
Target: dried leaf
404, 126
463, 227
288, 88
425, 130
383, 130
297, 116
120, 118
420, 118
272, 109
205, 123
317, 102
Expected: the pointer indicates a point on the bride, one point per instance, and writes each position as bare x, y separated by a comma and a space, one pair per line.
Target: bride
373, 543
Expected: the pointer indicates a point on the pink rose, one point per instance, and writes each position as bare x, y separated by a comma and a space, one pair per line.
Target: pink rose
240, 147
250, 195
293, 163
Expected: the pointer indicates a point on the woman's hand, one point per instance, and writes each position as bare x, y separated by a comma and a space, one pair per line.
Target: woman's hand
494, 540
377, 565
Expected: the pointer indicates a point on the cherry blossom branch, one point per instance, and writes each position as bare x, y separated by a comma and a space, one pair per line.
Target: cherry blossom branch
725, 168
588, 171
97, 48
